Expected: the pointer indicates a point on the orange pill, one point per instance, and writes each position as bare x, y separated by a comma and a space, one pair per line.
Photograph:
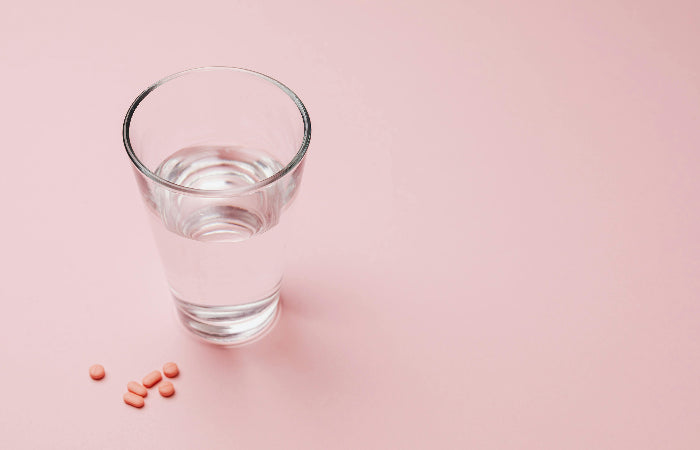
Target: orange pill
166, 389
151, 379
170, 370
137, 388
134, 400
97, 372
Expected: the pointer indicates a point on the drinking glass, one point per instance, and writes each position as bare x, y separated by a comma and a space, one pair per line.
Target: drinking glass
218, 154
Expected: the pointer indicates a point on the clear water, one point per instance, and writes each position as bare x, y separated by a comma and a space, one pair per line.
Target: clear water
223, 257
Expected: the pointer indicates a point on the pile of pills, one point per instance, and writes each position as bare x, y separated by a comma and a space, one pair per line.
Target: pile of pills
137, 392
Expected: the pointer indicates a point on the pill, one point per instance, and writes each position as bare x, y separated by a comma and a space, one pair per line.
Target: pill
170, 370
134, 400
166, 389
152, 378
137, 388
97, 372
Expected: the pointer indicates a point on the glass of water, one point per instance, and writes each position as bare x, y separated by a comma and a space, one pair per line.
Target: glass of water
218, 154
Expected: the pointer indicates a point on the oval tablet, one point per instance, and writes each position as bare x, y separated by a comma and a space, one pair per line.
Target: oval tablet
151, 379
134, 400
170, 370
166, 389
97, 372
137, 388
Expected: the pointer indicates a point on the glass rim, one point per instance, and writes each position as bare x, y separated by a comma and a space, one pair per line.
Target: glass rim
238, 190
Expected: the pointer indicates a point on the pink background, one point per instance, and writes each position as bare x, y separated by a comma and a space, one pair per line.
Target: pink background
496, 247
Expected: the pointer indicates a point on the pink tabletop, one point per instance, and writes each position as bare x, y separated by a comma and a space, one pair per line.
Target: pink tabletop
496, 244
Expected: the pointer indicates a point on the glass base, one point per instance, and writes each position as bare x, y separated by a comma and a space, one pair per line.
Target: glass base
230, 326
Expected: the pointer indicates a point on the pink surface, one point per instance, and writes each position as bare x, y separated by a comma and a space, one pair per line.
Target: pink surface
496, 246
